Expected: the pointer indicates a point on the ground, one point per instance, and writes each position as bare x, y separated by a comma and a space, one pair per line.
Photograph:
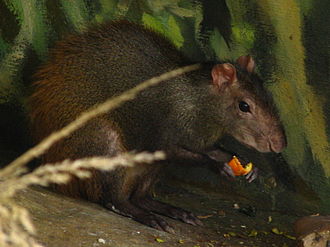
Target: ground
63, 221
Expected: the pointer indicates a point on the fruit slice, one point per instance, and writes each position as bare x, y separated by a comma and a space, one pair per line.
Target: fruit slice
238, 168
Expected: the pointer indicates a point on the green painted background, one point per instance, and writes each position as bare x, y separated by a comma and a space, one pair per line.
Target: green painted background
289, 39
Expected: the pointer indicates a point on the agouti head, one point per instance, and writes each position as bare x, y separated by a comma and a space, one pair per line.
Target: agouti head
251, 117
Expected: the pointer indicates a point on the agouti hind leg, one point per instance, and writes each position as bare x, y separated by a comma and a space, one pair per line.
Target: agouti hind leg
121, 195
111, 189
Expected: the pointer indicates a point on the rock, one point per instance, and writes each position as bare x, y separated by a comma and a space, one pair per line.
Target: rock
313, 231
63, 221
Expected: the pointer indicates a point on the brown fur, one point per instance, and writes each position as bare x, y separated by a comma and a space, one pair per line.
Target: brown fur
184, 116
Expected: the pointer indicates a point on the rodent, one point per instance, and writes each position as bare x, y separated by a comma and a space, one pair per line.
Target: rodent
184, 116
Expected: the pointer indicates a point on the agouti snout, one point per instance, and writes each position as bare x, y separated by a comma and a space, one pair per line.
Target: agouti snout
185, 116
251, 116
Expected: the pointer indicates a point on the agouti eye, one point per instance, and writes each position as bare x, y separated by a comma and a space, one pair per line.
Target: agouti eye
243, 106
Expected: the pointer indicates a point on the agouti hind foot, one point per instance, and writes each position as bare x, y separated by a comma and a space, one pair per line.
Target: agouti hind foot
155, 222
165, 209
140, 215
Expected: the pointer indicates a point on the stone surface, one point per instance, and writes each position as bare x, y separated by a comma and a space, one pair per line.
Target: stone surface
63, 221
313, 231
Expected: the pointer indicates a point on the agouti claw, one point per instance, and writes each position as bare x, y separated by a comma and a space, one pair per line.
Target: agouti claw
156, 222
190, 218
252, 175
227, 172
169, 229
198, 222
166, 227
183, 215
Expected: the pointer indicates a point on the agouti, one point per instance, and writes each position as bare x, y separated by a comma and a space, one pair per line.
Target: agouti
184, 116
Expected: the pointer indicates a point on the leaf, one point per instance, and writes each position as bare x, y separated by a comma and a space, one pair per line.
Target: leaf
244, 33
160, 5
159, 240
220, 47
290, 237
229, 234
175, 32
253, 233
204, 216
276, 231
270, 219
152, 22
171, 29
181, 12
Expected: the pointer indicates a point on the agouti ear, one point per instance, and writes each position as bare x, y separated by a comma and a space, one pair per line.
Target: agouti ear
222, 74
247, 63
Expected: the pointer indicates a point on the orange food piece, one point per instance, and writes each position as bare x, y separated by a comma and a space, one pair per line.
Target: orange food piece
238, 168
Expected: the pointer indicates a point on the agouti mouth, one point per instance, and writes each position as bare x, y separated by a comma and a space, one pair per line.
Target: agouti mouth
271, 148
277, 144
265, 148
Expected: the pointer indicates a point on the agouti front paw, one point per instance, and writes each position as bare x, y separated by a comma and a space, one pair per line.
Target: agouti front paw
228, 172
155, 222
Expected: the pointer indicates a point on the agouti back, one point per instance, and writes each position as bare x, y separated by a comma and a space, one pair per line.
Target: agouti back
185, 116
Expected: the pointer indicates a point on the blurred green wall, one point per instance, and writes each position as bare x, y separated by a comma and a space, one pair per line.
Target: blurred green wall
289, 39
